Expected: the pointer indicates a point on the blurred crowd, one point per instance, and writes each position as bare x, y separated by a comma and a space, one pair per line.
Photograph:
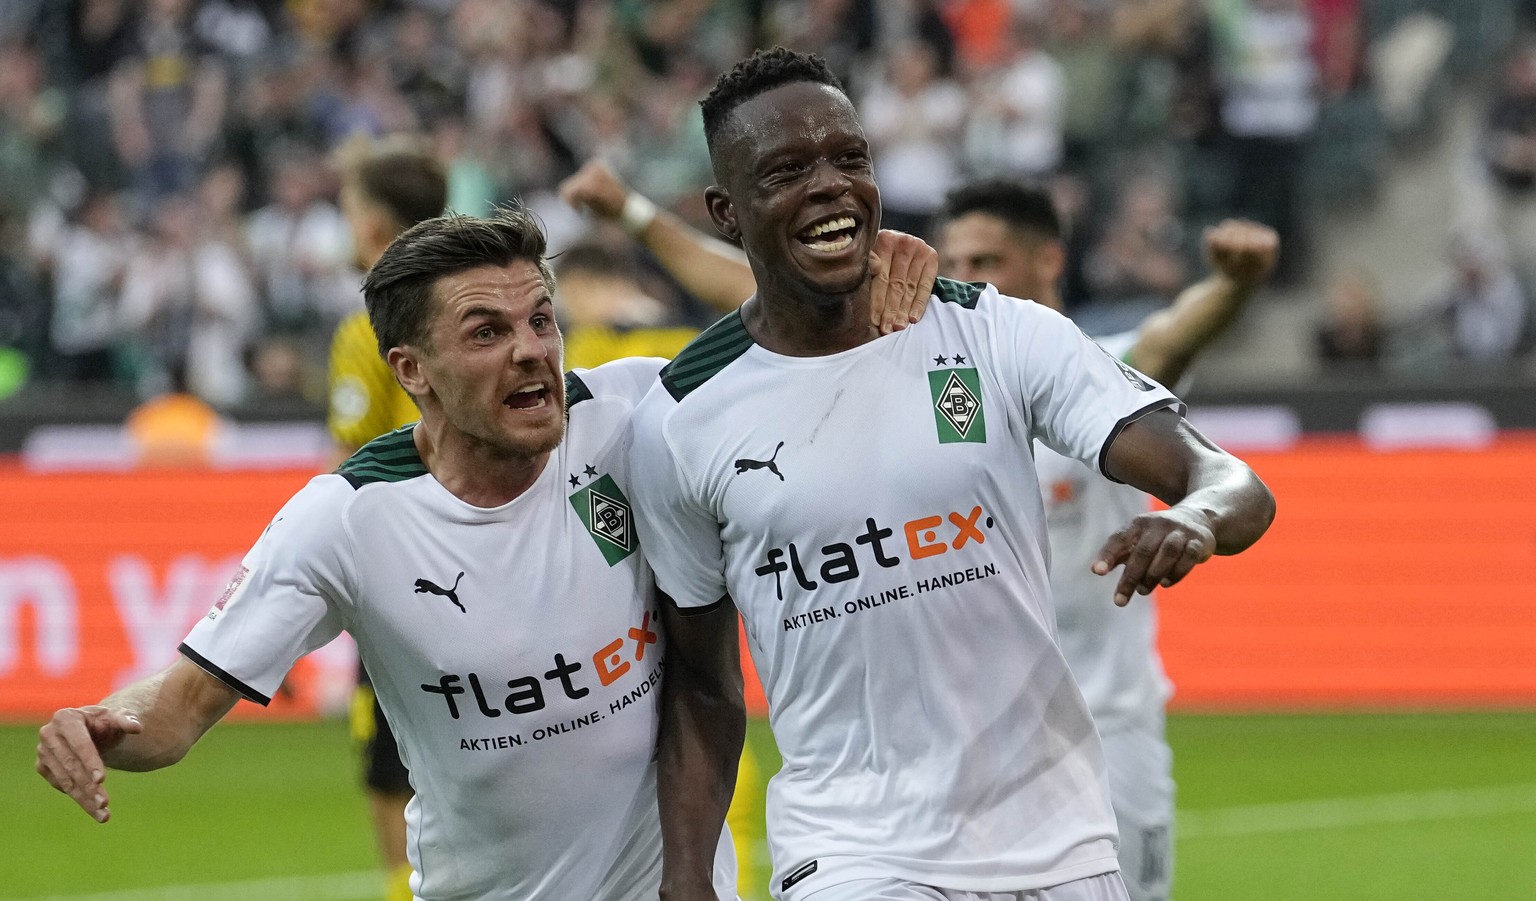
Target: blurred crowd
170, 216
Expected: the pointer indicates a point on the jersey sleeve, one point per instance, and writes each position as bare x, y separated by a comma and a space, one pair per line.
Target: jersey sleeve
680, 532
1079, 395
286, 600
365, 399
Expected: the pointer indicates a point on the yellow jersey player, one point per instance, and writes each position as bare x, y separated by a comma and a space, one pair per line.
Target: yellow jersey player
386, 188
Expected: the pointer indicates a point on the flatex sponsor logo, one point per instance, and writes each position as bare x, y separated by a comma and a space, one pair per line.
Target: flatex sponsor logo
467, 694
874, 547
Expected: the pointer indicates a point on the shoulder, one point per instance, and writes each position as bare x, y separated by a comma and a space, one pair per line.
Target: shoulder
960, 295
705, 356
391, 457
627, 379
1119, 344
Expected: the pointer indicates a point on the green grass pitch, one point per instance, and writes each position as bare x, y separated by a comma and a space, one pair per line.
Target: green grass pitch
1324, 808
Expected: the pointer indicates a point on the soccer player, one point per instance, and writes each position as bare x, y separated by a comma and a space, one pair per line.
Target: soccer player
869, 505
387, 187
486, 562
1008, 234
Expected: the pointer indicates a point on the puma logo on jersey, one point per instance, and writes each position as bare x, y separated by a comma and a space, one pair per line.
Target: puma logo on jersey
745, 464
427, 586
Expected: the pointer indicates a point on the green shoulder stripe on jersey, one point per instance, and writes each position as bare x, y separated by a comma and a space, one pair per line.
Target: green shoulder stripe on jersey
389, 458
576, 390
965, 294
714, 349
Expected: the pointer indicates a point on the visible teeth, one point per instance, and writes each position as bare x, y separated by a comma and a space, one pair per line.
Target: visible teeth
835, 225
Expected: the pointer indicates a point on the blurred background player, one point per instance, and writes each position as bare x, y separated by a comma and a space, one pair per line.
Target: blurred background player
386, 189
1009, 234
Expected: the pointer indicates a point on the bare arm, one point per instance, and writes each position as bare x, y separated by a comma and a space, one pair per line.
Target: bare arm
709, 269
1242, 254
1217, 504
703, 726
145, 726
717, 273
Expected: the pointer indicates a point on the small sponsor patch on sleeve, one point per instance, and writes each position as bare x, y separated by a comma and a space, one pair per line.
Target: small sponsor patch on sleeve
230, 590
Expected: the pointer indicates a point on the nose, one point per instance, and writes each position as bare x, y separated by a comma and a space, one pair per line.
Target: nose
528, 347
828, 180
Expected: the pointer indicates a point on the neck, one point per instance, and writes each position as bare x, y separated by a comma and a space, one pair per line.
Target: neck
473, 471
809, 326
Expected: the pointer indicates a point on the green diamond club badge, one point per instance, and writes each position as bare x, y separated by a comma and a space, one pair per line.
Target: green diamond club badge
957, 407
605, 511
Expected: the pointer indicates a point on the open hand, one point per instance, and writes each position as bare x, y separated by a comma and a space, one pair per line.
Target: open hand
903, 268
69, 753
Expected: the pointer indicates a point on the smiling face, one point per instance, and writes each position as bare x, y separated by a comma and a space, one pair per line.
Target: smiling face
797, 188
490, 364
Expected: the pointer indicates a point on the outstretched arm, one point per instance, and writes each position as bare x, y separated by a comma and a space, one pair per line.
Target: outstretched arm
703, 726
709, 269
1217, 504
717, 273
147, 725
1243, 254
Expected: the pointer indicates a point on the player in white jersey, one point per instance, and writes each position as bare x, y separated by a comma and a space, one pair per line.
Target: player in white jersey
490, 573
1008, 234
869, 505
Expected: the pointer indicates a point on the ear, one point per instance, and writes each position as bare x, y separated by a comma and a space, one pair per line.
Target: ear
722, 212
405, 363
1052, 261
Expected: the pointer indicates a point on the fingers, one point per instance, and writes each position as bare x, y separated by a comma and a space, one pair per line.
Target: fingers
903, 280
68, 755
1155, 552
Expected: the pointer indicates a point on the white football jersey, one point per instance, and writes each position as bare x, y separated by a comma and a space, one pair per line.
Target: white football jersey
876, 517
514, 650
1112, 650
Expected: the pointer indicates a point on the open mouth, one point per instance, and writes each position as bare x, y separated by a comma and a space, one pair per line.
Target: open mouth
530, 397
830, 235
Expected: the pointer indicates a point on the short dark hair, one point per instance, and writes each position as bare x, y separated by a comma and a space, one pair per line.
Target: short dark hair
758, 74
1023, 205
398, 289
405, 181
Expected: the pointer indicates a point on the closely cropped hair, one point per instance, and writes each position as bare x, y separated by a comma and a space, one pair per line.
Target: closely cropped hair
405, 179
1026, 207
758, 74
398, 289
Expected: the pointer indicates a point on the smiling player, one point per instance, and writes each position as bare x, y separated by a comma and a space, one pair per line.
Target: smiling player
893, 579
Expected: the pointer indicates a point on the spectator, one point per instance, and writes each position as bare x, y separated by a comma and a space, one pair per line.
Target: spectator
1351, 332
299, 251
1142, 252
1269, 108
87, 261
189, 306
1484, 305
911, 120
1018, 109
168, 101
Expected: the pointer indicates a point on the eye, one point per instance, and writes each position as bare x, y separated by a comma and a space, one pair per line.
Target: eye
540, 322
484, 333
854, 158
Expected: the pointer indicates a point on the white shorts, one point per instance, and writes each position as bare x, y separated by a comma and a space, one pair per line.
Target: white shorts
1141, 792
1106, 887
